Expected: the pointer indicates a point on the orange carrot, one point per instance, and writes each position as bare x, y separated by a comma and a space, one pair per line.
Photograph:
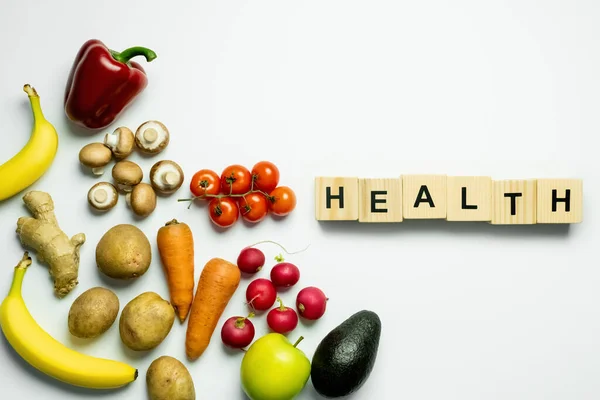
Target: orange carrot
217, 284
176, 247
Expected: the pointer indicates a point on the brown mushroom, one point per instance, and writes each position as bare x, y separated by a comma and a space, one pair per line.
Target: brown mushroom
166, 176
142, 199
95, 156
127, 174
103, 196
152, 137
121, 142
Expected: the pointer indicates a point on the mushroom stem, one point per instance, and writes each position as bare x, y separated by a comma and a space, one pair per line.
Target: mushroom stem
124, 188
98, 171
170, 178
128, 199
150, 135
100, 195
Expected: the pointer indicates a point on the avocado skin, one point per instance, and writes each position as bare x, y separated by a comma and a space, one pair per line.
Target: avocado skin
345, 357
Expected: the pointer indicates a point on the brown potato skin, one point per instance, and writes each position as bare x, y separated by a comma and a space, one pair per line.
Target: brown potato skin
93, 313
124, 252
146, 321
168, 379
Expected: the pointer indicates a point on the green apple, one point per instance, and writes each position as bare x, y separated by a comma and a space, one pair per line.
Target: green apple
274, 369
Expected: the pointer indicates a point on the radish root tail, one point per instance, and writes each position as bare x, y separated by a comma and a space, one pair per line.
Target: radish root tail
280, 246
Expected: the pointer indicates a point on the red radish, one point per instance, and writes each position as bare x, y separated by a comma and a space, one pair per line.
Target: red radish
282, 319
251, 260
285, 274
238, 332
311, 303
261, 294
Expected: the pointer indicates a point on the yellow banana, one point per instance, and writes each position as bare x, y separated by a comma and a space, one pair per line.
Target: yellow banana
48, 355
34, 159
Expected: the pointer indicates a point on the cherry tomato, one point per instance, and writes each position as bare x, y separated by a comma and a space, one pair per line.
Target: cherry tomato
236, 179
204, 182
282, 201
253, 207
265, 175
223, 212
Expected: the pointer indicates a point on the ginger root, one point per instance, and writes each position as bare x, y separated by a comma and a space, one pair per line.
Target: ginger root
53, 247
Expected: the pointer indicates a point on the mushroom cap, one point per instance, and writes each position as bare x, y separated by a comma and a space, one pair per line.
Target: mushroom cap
127, 173
152, 137
95, 155
121, 142
142, 199
103, 196
166, 176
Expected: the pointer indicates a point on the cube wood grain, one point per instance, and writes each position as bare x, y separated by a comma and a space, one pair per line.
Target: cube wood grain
469, 198
424, 196
514, 202
559, 201
380, 200
336, 198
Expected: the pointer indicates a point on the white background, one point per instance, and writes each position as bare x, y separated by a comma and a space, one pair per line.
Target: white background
506, 88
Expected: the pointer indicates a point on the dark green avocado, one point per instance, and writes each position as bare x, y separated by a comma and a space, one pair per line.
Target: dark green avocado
345, 357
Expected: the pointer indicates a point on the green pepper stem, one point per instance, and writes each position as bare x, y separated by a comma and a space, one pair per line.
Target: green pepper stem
131, 52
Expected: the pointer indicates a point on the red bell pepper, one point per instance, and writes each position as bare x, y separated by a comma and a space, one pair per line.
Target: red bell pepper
102, 83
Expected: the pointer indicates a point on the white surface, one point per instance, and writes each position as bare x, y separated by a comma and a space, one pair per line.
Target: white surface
374, 89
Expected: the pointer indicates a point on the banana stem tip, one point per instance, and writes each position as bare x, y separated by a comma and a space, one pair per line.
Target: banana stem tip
27, 88
25, 261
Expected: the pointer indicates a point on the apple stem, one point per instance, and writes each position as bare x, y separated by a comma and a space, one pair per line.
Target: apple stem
298, 341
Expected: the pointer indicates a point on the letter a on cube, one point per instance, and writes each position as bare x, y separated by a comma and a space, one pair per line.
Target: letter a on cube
559, 201
424, 196
336, 198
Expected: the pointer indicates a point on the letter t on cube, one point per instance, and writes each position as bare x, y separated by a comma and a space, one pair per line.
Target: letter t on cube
336, 198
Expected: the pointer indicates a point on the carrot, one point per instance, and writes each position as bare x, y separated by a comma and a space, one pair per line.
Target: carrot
176, 247
217, 284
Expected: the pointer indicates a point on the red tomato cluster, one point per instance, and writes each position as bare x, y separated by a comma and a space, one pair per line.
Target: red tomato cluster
251, 194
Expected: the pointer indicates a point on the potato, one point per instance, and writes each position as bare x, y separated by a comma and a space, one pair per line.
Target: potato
93, 312
124, 252
146, 321
168, 379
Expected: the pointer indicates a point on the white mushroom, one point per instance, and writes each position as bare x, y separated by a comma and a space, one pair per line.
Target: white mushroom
166, 176
142, 199
121, 142
95, 156
152, 137
103, 196
127, 174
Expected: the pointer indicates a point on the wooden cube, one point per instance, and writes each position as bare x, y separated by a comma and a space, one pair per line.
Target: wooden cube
336, 198
424, 196
559, 201
380, 200
514, 202
469, 198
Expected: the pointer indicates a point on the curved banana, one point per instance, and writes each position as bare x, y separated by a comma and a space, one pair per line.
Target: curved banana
48, 355
34, 159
